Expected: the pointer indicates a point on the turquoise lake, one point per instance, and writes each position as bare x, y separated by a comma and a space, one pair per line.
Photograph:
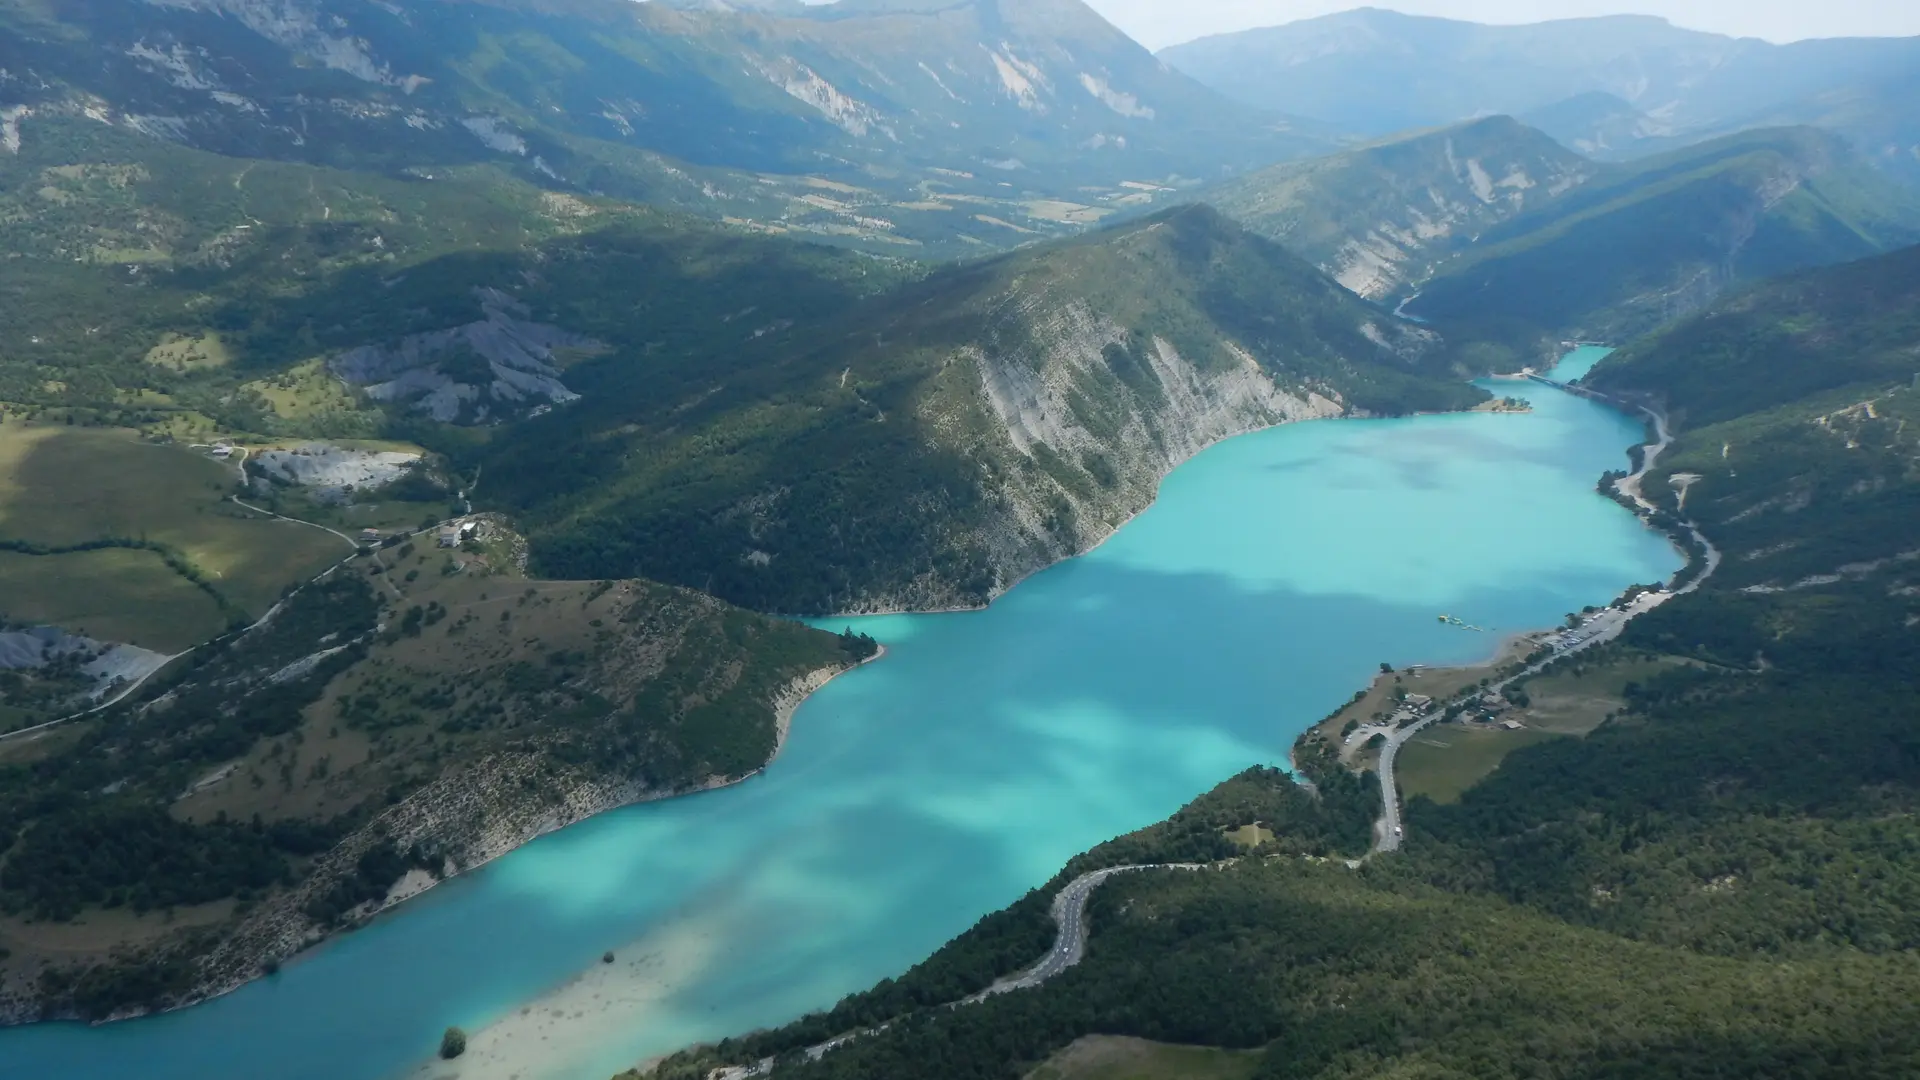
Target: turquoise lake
1273, 576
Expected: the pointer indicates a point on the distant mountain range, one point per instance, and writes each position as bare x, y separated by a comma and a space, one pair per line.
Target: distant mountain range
1373, 72
1507, 236
890, 121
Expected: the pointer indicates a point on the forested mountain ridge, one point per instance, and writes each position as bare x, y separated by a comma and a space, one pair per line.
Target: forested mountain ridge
1781, 341
1799, 420
1373, 71
1379, 217
1643, 244
937, 443
889, 125
1509, 243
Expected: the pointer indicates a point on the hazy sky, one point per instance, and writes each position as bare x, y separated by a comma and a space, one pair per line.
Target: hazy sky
1158, 23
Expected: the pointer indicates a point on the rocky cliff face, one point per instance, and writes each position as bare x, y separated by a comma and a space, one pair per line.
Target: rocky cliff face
1107, 439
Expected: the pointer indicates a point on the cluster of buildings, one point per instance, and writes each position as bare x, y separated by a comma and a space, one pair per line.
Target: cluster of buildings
1411, 707
1489, 705
450, 535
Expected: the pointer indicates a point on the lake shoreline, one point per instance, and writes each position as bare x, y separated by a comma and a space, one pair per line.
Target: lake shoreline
1110, 533
588, 801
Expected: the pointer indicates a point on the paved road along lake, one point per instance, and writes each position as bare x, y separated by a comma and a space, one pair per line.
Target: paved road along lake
1274, 575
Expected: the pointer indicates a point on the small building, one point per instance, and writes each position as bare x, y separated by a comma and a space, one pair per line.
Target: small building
1419, 701
370, 536
223, 451
1512, 725
453, 535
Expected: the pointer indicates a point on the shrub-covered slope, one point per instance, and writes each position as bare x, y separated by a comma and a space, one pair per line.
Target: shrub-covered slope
1799, 423
421, 719
168, 288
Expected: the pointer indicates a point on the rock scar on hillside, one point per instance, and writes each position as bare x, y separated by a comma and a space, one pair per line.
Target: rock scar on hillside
498, 364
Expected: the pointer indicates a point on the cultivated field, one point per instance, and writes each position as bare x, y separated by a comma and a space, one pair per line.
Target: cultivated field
64, 487
1446, 759
111, 595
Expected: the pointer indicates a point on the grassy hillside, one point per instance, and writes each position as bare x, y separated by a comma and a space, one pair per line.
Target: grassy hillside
1645, 244
64, 490
935, 444
417, 720
1378, 218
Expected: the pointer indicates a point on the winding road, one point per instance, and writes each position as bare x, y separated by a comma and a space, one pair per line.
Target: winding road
1069, 948
1070, 938
1608, 625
